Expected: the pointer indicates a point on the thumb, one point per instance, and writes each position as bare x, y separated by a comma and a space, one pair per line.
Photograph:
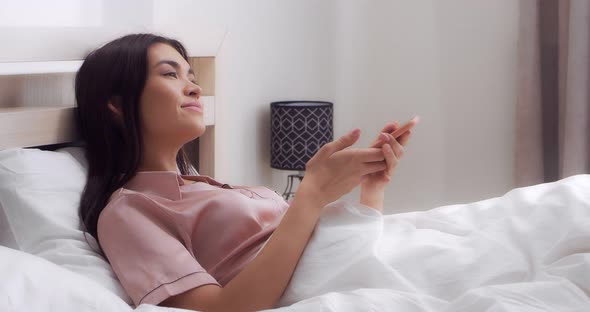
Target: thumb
342, 142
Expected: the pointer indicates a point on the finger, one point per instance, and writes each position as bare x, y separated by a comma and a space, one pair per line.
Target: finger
409, 125
378, 141
403, 140
382, 139
390, 159
398, 149
390, 127
341, 143
372, 167
366, 154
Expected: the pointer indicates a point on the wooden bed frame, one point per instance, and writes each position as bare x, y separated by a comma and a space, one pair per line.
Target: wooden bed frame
24, 124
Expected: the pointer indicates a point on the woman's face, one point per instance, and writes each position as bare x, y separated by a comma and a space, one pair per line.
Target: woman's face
170, 109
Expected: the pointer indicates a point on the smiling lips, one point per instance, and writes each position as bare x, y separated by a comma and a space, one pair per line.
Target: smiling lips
195, 106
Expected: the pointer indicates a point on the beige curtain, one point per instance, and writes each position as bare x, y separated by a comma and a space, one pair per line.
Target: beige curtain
553, 108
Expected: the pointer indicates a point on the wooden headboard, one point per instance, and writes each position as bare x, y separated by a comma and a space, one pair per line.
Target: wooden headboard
48, 118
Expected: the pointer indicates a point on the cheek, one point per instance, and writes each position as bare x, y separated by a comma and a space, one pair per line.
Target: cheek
158, 110
162, 117
153, 118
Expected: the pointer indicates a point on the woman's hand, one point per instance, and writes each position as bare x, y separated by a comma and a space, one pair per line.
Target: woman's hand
335, 170
373, 184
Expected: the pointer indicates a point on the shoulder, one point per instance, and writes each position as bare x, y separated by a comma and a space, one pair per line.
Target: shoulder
128, 205
130, 212
125, 197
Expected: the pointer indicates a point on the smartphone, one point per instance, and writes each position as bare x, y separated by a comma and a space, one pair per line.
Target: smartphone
409, 125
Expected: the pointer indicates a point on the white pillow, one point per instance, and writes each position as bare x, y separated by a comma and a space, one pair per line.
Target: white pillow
30, 283
39, 196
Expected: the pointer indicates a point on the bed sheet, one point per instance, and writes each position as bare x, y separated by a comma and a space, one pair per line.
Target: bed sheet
528, 250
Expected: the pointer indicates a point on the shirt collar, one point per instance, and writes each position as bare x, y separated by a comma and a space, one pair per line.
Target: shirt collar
165, 183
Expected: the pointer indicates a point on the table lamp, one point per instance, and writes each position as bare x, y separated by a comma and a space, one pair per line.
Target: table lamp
298, 130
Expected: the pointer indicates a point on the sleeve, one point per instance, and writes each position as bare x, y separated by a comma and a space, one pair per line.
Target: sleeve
142, 245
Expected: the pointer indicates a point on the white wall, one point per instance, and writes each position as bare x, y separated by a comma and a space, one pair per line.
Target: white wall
478, 83
388, 70
274, 51
39, 30
453, 63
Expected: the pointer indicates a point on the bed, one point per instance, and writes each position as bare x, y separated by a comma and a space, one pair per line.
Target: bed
527, 250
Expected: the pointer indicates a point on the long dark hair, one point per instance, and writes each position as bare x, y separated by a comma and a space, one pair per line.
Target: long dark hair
115, 72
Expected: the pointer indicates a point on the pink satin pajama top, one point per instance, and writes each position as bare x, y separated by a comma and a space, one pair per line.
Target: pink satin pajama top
163, 237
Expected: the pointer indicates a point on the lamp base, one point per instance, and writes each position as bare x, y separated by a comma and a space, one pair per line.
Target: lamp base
289, 193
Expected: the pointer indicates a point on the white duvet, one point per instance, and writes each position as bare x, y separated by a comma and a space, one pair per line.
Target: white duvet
528, 250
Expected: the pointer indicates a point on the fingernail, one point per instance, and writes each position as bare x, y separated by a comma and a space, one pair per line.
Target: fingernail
383, 137
355, 132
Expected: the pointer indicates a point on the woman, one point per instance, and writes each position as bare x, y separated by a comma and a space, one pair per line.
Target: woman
183, 240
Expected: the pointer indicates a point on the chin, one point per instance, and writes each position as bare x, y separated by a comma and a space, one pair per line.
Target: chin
197, 131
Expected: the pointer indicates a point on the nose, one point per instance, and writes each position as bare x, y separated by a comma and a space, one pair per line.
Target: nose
192, 90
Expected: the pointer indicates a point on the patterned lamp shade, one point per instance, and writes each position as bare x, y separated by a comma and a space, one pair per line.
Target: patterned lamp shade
298, 130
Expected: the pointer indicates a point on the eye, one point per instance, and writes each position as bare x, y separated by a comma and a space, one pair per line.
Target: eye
172, 74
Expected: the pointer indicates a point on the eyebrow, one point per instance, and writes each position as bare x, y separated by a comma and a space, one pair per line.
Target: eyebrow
175, 65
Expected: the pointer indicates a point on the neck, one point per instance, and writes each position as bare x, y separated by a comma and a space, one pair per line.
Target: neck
158, 158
